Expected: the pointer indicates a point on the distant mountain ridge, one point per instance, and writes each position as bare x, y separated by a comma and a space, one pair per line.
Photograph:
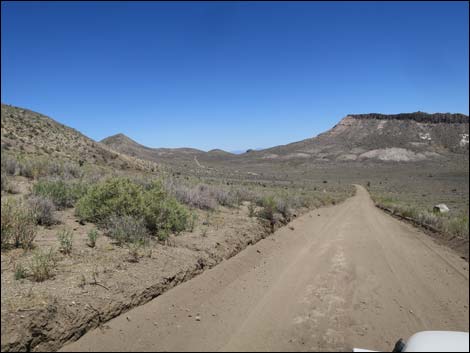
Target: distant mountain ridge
383, 138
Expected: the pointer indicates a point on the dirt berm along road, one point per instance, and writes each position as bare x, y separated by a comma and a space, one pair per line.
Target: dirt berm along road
346, 276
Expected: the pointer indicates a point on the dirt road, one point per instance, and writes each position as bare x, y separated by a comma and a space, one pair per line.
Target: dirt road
345, 276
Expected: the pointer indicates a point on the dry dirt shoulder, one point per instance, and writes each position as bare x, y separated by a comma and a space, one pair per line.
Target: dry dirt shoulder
92, 286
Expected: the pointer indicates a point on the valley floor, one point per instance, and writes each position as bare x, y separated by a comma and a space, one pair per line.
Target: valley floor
339, 277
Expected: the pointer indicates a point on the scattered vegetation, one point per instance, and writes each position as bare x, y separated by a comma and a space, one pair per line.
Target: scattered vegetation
448, 223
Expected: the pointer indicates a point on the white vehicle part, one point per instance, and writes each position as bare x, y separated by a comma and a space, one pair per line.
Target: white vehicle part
438, 341
434, 341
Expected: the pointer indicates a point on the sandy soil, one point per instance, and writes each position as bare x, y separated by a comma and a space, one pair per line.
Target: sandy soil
340, 277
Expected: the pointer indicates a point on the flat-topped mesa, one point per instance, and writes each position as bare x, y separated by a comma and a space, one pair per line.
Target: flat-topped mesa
420, 117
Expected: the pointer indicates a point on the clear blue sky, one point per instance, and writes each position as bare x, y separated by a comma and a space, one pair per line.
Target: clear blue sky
231, 75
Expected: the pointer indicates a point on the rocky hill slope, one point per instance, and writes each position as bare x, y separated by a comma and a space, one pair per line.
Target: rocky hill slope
407, 137
25, 132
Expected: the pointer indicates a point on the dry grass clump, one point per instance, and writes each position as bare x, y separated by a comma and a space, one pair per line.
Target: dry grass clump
42, 265
18, 224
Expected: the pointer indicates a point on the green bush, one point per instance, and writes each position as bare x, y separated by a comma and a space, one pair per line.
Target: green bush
122, 197
163, 214
64, 194
114, 196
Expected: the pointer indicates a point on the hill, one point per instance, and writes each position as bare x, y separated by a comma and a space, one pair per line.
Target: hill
25, 132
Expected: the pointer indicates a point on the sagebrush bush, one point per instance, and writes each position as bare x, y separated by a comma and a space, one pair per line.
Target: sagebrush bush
43, 209
126, 229
62, 193
42, 265
18, 224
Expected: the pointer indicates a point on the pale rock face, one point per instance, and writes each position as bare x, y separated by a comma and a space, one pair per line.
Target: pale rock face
347, 157
393, 154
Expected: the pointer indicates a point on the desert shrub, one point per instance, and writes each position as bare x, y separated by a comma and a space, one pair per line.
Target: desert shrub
228, 198
199, 196
134, 248
163, 213
62, 193
284, 208
126, 229
65, 238
9, 164
251, 209
19, 271
427, 218
43, 210
4, 181
269, 208
121, 197
92, 236
18, 224
192, 221
71, 170
458, 226
114, 196
42, 265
